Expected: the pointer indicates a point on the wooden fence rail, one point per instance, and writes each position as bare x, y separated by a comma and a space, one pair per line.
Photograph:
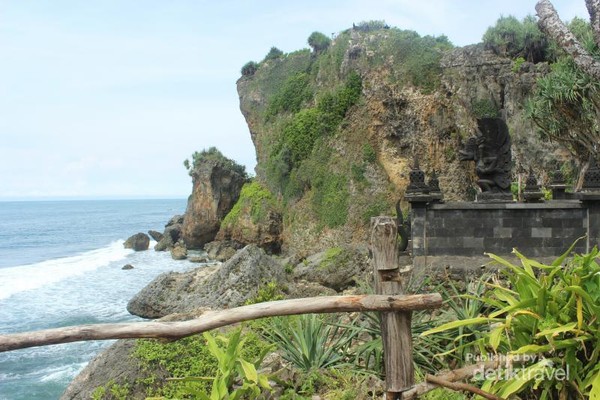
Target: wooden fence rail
217, 319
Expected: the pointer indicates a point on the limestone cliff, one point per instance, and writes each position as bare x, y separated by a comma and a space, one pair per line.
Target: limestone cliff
333, 161
216, 188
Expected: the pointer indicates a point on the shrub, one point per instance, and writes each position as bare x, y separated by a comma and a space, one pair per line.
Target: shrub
254, 199
418, 58
330, 199
319, 42
213, 154
300, 134
309, 341
236, 377
549, 314
513, 38
273, 54
191, 357
373, 25
293, 94
249, 68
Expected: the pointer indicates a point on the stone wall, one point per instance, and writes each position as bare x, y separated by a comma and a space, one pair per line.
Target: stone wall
456, 235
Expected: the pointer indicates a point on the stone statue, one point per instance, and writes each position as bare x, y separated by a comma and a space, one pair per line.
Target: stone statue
490, 149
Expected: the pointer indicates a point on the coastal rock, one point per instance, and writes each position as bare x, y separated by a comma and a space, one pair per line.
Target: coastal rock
224, 286
265, 234
119, 365
199, 259
157, 236
256, 218
302, 288
115, 364
171, 236
175, 220
127, 266
336, 268
216, 188
179, 252
138, 242
222, 250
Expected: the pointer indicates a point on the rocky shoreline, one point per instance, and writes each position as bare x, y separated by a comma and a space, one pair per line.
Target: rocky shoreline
232, 273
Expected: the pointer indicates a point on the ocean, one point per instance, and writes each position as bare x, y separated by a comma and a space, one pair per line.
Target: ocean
60, 265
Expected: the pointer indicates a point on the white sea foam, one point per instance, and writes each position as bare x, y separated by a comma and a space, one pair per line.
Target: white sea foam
27, 277
64, 372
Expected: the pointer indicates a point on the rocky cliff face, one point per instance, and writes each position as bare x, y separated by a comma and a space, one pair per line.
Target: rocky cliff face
216, 188
401, 114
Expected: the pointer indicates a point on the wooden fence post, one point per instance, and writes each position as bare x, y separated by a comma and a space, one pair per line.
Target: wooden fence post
395, 326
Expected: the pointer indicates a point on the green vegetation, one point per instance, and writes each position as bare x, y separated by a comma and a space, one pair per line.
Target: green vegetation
189, 357
369, 154
309, 341
518, 39
249, 68
373, 25
566, 102
213, 154
270, 292
294, 93
547, 317
288, 170
255, 200
111, 391
319, 42
416, 58
309, 124
378, 205
233, 368
485, 108
330, 199
273, 54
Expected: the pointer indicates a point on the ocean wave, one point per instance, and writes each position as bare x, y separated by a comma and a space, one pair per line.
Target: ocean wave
33, 276
62, 373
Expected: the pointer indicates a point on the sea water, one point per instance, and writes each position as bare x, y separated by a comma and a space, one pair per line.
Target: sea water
60, 265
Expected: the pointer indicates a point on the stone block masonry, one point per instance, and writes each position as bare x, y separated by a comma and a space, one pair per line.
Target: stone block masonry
444, 234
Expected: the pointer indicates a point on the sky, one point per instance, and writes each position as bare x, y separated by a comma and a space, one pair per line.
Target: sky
107, 98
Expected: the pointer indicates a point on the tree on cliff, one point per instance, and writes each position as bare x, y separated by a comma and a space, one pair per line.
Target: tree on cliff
552, 25
319, 42
566, 102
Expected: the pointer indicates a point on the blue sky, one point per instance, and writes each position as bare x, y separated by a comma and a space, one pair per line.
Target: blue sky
107, 98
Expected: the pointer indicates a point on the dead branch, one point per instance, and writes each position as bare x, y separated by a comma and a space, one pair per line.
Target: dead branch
217, 319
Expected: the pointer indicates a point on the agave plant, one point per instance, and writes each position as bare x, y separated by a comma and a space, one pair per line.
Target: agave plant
544, 326
310, 341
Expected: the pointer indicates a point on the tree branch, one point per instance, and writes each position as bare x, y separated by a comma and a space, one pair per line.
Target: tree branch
593, 7
461, 387
452, 376
551, 24
217, 319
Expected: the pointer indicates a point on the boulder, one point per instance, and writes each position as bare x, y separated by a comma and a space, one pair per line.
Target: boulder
127, 266
336, 268
179, 252
216, 188
175, 220
155, 235
227, 285
138, 242
301, 289
222, 250
256, 218
115, 364
171, 236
